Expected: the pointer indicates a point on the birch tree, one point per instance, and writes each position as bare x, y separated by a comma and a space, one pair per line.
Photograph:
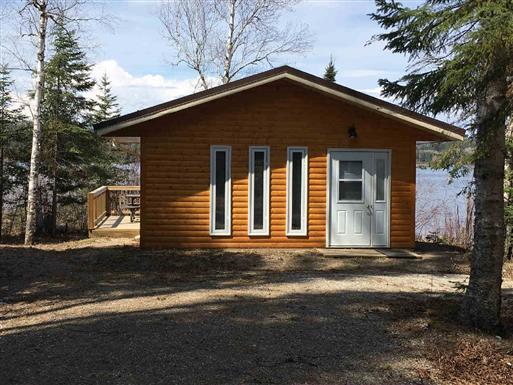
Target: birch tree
223, 39
37, 18
38, 11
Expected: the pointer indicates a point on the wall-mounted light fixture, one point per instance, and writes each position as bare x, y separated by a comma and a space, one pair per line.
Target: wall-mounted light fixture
351, 132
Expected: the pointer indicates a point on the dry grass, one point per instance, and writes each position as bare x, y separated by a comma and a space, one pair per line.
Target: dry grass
474, 360
460, 356
104, 312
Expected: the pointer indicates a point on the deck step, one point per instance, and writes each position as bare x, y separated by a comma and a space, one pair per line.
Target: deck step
113, 233
350, 253
400, 253
369, 253
115, 226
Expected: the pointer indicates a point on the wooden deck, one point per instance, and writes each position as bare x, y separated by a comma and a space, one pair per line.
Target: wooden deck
116, 226
108, 211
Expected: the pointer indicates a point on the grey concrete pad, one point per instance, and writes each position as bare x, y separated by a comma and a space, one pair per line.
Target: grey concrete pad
369, 253
350, 253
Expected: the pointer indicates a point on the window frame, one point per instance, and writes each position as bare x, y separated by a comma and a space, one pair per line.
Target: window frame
266, 198
228, 191
304, 192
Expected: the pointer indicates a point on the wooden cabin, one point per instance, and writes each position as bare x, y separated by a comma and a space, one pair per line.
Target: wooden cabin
278, 159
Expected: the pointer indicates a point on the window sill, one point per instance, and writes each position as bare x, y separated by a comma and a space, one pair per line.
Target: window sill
291, 235
220, 234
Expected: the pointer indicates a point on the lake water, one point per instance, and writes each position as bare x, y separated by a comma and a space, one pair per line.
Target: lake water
437, 199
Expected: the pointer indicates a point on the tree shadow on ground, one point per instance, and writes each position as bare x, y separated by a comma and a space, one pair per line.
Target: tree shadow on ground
88, 274
91, 274
121, 315
336, 338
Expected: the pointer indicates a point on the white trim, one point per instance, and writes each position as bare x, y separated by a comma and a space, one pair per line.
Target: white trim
328, 193
304, 192
353, 99
327, 226
228, 191
384, 110
251, 177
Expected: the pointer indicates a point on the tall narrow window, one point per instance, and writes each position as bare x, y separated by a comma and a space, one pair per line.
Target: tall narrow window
258, 191
220, 190
380, 180
297, 186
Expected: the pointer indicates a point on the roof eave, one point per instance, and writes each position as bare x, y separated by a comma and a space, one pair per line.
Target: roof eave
430, 125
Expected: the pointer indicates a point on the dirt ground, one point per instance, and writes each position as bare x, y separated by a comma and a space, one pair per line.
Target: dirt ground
104, 312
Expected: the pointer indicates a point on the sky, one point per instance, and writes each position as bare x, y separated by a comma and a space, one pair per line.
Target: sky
136, 56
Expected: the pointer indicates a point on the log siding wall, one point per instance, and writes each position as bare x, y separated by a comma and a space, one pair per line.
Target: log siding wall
175, 162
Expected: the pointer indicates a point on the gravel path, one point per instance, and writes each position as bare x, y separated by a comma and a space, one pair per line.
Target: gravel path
86, 317
185, 296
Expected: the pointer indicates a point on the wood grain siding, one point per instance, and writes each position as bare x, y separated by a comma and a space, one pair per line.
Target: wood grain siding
175, 158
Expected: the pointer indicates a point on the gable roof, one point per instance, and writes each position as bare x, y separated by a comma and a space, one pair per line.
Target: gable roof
442, 129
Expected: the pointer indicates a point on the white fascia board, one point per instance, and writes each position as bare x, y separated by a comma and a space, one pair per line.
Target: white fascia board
339, 94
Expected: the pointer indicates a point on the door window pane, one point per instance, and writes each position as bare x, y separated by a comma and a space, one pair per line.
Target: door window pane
258, 190
350, 191
297, 173
380, 179
350, 169
220, 189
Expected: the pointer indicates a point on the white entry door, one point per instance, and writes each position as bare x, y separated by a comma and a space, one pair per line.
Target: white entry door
359, 202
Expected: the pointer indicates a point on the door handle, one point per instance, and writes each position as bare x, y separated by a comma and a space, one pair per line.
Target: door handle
369, 207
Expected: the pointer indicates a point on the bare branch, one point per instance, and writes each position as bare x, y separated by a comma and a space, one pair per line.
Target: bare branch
225, 38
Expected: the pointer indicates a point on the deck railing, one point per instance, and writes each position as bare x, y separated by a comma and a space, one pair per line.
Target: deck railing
105, 201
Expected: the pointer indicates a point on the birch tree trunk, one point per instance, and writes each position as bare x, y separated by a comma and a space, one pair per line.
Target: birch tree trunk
36, 130
228, 55
482, 302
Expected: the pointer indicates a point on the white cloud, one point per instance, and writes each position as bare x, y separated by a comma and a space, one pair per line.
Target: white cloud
23, 83
366, 73
136, 92
133, 92
376, 91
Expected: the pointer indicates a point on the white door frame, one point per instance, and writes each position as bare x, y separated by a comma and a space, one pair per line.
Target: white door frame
328, 192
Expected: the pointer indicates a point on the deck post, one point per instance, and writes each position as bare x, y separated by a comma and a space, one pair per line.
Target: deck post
90, 211
107, 202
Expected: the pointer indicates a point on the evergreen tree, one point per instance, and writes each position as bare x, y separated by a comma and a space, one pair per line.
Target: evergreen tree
75, 159
330, 73
461, 63
106, 105
13, 143
128, 154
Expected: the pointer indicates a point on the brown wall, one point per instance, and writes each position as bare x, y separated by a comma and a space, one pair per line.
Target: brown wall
175, 153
